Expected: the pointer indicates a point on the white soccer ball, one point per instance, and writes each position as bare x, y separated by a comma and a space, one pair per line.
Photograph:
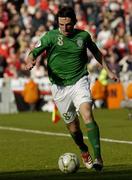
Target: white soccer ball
68, 163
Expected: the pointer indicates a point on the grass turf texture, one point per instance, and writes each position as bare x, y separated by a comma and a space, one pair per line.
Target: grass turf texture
30, 156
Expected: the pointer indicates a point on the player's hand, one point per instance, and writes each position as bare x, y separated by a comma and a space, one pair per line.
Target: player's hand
29, 65
113, 77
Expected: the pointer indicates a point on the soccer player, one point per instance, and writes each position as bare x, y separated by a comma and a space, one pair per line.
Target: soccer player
67, 59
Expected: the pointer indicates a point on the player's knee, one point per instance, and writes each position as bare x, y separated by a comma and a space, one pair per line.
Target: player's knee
87, 117
73, 126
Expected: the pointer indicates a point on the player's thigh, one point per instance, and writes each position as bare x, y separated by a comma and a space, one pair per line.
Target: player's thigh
86, 112
82, 93
64, 103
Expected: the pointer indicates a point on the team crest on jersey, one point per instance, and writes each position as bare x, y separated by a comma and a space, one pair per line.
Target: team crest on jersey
79, 42
38, 44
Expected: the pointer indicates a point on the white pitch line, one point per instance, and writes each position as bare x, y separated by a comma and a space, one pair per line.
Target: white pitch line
59, 134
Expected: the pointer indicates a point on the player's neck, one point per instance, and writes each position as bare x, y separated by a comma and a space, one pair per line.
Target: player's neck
71, 34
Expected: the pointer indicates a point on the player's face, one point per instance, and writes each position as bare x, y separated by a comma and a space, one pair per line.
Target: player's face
66, 25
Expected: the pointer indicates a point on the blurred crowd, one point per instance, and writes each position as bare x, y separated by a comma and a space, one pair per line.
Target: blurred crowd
23, 22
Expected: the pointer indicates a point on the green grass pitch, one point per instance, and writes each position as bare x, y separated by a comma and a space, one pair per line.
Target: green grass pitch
30, 147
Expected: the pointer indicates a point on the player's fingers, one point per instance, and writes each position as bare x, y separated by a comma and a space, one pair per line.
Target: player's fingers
25, 68
116, 79
28, 67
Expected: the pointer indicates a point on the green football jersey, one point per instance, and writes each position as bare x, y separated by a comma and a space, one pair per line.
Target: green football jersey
66, 55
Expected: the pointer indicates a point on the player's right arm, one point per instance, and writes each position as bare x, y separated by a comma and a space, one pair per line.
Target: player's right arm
40, 47
30, 62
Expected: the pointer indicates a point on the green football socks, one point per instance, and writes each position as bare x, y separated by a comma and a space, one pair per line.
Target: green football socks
78, 138
94, 138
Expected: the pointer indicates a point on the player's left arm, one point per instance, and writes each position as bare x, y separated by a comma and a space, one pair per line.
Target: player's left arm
100, 58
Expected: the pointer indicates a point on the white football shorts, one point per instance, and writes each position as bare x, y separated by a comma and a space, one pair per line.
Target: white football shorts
69, 98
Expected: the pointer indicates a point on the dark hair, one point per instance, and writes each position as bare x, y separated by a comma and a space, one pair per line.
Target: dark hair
67, 12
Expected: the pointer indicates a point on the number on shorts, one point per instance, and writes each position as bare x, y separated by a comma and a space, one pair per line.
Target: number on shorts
66, 116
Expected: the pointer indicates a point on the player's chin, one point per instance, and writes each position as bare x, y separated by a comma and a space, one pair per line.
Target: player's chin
67, 33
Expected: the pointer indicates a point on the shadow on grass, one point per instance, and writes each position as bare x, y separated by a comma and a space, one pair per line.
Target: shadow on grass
109, 173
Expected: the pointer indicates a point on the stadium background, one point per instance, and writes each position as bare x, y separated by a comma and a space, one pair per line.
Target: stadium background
22, 23
30, 144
